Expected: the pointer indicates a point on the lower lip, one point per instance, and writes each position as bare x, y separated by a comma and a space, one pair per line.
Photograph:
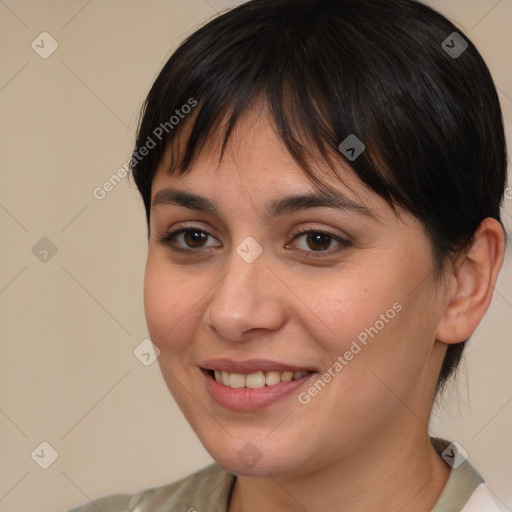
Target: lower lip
247, 399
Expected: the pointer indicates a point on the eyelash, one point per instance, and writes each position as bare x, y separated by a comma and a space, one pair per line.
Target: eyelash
168, 239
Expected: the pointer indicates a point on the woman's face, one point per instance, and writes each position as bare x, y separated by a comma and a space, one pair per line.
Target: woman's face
262, 285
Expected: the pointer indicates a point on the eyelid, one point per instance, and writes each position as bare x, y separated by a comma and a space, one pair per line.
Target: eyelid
326, 231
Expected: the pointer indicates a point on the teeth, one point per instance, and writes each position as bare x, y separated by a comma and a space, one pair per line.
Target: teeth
287, 376
256, 380
236, 380
253, 380
272, 378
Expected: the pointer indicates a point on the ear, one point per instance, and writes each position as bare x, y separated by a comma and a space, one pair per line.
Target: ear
471, 286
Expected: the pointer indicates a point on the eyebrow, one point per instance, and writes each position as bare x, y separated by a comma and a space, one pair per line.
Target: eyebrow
276, 208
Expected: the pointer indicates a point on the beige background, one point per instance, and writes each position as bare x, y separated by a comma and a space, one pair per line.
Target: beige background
69, 326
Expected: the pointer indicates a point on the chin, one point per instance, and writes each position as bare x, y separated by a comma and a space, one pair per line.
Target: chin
256, 459
262, 468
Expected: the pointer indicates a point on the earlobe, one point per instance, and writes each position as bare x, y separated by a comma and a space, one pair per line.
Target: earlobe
472, 284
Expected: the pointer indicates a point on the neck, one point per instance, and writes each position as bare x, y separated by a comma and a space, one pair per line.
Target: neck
384, 473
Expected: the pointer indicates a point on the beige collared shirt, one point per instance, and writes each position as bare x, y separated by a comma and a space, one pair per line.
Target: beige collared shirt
209, 490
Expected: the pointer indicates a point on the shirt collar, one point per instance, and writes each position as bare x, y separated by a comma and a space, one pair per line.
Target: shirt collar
463, 479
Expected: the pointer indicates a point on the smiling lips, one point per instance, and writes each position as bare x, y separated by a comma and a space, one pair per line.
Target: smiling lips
253, 373
252, 384
257, 379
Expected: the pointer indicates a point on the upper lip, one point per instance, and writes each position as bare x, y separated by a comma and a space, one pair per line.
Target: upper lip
251, 366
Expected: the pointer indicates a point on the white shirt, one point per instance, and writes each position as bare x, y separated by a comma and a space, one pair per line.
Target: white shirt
481, 501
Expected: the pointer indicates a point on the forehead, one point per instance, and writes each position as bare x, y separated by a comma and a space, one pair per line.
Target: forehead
257, 166
258, 176
254, 152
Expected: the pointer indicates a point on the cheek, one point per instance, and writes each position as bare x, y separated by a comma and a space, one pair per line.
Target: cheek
348, 308
377, 319
169, 304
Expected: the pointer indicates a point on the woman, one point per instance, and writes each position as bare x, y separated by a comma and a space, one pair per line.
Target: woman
322, 182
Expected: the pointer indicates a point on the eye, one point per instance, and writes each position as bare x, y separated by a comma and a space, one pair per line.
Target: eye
320, 242
187, 239
193, 239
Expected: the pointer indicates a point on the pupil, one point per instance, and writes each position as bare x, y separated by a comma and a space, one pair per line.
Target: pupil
194, 238
317, 238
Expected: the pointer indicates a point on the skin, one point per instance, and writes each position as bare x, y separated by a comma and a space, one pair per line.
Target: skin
362, 443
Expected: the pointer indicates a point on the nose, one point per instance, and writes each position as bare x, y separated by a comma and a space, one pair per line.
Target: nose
248, 298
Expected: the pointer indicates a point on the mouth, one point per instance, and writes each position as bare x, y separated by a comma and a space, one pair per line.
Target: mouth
252, 385
256, 380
